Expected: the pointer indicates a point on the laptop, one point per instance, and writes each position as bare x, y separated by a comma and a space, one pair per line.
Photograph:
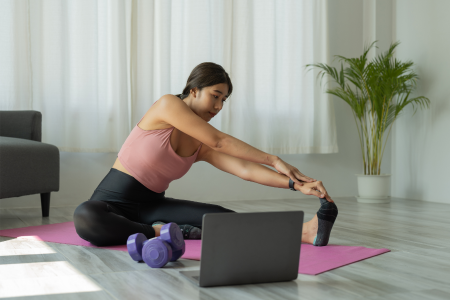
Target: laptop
248, 248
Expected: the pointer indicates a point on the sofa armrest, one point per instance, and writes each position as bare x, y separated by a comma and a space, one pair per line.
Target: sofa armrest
22, 124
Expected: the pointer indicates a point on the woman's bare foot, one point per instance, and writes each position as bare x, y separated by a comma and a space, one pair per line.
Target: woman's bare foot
310, 230
157, 229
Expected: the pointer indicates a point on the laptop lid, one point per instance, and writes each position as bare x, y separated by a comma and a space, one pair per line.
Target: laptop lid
246, 248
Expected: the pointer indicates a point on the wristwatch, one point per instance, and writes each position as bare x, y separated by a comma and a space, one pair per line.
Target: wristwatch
291, 185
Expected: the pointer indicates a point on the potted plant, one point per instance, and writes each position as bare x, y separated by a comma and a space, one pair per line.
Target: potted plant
377, 91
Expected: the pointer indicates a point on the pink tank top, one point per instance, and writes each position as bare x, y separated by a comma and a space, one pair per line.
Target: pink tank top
150, 159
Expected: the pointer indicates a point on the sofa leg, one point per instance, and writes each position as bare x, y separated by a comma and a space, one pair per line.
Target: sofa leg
45, 204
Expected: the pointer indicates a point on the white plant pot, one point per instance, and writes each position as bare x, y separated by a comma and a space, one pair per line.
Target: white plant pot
374, 188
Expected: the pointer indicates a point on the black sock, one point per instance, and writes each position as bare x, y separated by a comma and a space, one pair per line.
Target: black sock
190, 232
326, 216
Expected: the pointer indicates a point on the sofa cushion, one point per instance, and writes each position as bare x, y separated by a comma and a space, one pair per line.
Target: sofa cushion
27, 167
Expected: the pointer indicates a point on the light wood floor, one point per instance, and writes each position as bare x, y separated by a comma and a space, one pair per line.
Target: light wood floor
418, 234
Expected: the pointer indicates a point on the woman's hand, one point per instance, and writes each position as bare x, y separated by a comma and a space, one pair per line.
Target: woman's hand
314, 188
291, 172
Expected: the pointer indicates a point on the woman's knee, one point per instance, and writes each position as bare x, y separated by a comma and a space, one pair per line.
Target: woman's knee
88, 211
87, 219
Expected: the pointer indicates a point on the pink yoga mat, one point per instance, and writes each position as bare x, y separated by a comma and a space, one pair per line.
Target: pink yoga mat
313, 260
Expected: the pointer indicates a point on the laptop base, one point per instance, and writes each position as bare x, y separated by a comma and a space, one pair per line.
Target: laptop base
192, 276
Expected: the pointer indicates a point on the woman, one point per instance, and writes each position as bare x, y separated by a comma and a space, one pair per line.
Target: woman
172, 135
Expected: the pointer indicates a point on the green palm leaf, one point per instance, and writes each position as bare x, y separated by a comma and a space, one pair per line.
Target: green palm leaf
377, 91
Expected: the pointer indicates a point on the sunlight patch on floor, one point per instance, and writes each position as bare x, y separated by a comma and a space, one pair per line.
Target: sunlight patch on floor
39, 278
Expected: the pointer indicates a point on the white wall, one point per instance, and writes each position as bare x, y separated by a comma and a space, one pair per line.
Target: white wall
82, 172
420, 152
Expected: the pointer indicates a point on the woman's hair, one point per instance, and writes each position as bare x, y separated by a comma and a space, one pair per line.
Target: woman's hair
206, 74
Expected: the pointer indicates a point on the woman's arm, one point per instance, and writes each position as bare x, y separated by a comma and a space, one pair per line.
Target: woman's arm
266, 176
237, 148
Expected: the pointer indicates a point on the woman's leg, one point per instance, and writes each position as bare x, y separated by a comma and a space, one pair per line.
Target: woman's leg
182, 212
309, 230
186, 212
317, 231
112, 213
101, 224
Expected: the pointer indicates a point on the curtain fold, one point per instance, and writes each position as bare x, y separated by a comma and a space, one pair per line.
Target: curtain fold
93, 68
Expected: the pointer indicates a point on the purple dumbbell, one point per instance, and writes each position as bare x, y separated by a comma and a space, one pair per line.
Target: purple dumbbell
172, 234
135, 243
176, 254
169, 242
156, 253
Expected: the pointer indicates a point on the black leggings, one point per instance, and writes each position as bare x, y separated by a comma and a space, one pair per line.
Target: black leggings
122, 206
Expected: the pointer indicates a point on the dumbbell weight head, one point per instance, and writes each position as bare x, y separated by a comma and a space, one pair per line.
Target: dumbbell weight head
156, 253
172, 234
135, 243
176, 254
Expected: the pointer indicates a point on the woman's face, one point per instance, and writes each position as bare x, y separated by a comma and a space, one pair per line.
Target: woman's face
209, 100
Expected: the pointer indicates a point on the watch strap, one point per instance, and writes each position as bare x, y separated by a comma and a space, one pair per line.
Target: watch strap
291, 185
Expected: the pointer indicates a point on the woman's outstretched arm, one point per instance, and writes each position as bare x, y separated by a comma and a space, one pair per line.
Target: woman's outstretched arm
266, 176
237, 148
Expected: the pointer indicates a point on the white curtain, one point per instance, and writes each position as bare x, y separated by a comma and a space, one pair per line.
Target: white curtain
93, 68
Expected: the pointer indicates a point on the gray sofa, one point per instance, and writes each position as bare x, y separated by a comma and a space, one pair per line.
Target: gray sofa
27, 166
